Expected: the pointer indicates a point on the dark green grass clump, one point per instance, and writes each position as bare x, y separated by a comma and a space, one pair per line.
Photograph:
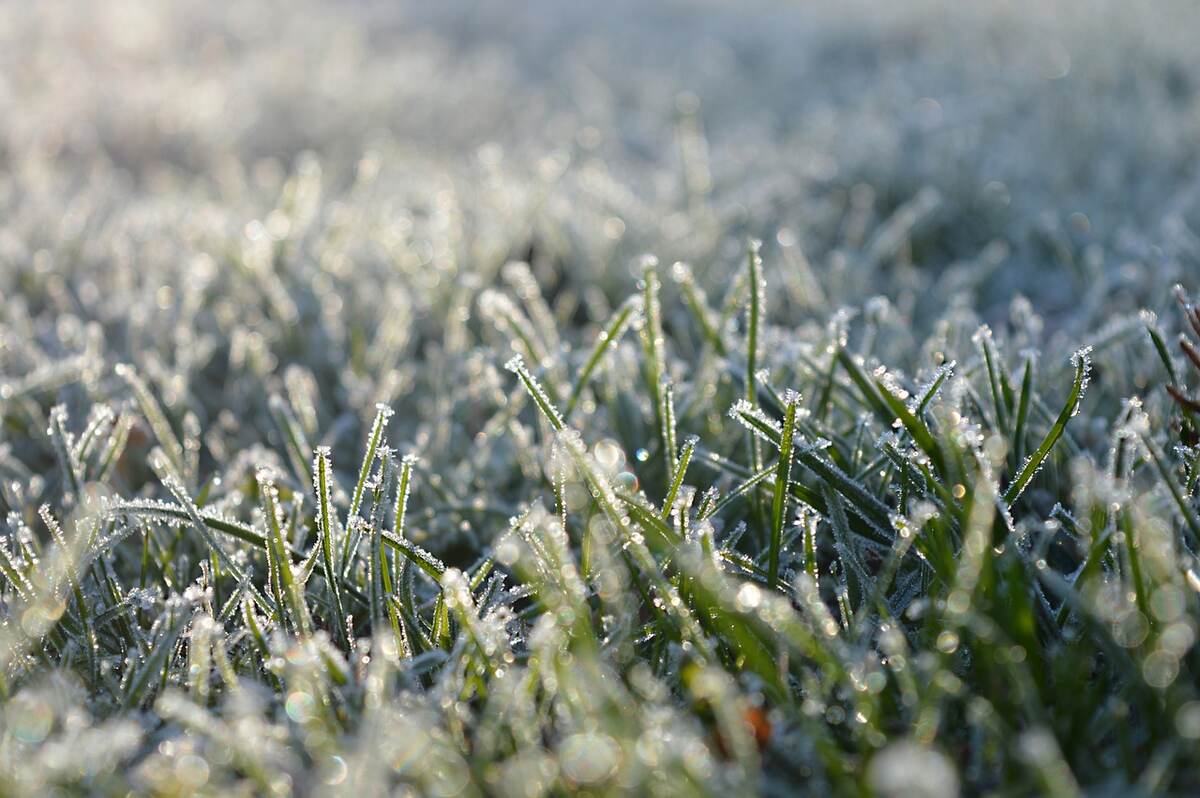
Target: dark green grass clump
679, 550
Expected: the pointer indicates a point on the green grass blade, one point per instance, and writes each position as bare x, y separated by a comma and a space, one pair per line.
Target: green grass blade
783, 477
517, 366
326, 519
157, 419
629, 310
1082, 363
289, 596
680, 471
382, 414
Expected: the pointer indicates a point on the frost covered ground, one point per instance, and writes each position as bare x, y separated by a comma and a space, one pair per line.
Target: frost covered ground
392, 398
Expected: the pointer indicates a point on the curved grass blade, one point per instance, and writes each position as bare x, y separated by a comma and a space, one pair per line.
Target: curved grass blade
1022, 421
609, 336
914, 425
191, 513
516, 365
1082, 363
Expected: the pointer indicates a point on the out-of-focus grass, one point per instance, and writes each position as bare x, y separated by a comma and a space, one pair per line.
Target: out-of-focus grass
349, 439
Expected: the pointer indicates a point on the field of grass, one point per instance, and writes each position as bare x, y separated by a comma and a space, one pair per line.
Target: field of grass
671, 398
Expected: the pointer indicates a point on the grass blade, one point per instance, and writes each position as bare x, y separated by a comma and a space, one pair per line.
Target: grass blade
1082, 362
625, 315
783, 477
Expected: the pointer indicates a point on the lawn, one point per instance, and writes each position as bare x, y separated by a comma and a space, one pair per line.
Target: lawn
670, 398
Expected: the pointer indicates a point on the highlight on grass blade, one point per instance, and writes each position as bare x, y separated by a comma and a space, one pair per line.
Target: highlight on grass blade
516, 365
1081, 360
626, 315
326, 521
783, 476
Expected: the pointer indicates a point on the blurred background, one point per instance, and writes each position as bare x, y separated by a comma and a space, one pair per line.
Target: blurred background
218, 193
1034, 137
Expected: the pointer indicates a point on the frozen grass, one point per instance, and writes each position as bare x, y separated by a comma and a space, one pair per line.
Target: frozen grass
349, 440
